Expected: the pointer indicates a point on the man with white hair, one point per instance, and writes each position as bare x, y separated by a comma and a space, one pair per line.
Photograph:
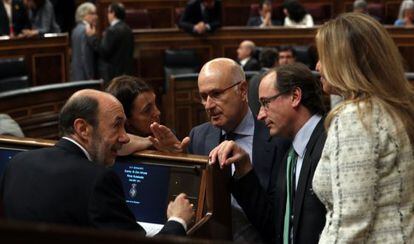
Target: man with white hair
83, 57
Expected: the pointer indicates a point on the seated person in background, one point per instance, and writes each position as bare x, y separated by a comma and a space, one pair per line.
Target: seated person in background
296, 15
269, 58
138, 101
73, 184
265, 18
13, 18
245, 56
287, 55
9, 127
360, 6
83, 55
42, 18
201, 16
406, 14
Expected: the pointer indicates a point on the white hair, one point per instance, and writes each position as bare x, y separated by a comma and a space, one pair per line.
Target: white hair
406, 4
83, 10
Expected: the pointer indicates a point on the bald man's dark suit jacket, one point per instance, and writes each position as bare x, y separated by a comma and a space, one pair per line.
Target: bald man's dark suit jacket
266, 211
60, 185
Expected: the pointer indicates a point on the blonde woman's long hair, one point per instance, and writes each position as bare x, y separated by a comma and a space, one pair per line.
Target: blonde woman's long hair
361, 62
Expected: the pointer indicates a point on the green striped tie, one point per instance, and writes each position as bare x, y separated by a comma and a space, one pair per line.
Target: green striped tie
291, 161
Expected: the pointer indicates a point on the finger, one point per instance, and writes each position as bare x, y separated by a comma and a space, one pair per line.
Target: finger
184, 143
212, 156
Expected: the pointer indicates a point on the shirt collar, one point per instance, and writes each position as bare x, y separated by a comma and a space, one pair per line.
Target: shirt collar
246, 126
304, 134
244, 61
114, 22
80, 146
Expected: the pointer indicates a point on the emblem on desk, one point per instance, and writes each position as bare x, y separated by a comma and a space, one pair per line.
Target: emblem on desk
133, 191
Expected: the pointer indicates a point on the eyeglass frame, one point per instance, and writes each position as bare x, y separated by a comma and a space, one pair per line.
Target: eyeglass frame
265, 101
217, 93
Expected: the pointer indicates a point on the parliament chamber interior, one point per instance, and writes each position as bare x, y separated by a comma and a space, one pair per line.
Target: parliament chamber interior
35, 83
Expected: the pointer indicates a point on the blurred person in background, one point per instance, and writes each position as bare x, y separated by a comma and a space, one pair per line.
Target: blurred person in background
42, 18
296, 15
83, 56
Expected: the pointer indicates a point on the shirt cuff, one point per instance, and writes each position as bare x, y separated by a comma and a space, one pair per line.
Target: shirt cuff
179, 220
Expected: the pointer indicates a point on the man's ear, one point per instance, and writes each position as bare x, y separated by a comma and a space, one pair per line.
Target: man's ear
296, 97
243, 89
82, 128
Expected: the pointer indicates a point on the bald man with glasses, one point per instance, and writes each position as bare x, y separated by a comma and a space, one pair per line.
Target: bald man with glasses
223, 92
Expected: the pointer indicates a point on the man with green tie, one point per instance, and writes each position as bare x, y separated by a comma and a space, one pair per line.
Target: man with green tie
291, 107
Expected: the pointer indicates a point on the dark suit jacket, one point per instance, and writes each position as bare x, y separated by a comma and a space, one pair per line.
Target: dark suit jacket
116, 50
193, 14
19, 15
251, 65
266, 211
60, 185
266, 154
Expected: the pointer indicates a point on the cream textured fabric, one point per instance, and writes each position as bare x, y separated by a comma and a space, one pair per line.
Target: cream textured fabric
365, 178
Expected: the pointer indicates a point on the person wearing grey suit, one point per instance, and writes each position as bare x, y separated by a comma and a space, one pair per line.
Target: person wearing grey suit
83, 56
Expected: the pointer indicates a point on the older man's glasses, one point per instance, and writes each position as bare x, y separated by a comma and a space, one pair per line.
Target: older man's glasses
265, 101
215, 95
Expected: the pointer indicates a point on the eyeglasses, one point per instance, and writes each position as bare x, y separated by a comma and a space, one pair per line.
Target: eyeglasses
265, 101
215, 95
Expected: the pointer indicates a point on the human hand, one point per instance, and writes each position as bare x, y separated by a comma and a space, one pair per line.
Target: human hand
227, 153
200, 27
164, 139
90, 30
181, 208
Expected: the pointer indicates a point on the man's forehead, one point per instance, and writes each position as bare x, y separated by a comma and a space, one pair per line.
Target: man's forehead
214, 80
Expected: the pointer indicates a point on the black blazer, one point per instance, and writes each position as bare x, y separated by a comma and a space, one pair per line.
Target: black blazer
251, 65
60, 185
267, 152
267, 210
116, 51
192, 15
19, 17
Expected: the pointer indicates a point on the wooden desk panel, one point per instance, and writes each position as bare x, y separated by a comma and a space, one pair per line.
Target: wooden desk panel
47, 59
150, 45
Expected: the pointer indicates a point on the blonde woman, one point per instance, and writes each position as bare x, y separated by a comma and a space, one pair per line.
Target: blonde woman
365, 176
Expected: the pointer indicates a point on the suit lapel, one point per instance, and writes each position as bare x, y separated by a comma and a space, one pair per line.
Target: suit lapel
212, 139
308, 161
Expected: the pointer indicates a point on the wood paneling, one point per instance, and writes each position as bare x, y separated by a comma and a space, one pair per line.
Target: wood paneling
36, 109
236, 12
151, 43
46, 58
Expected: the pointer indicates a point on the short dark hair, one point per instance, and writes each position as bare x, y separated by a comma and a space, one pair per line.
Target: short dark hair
268, 57
265, 2
294, 75
84, 107
118, 9
287, 48
296, 10
126, 88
